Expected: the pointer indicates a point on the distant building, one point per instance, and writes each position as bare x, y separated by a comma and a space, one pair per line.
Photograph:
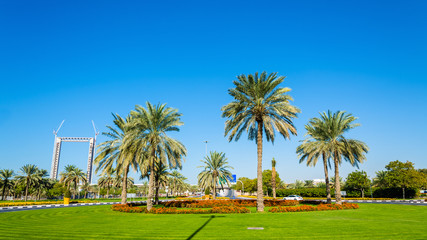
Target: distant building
317, 181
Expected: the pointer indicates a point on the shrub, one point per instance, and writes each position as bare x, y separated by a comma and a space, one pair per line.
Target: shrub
67, 194
218, 203
303, 192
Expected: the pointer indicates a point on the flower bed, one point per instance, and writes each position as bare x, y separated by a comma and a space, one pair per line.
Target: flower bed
172, 210
15, 204
320, 207
237, 203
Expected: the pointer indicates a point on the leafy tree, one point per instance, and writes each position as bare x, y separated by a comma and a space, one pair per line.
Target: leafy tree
28, 177
267, 183
329, 129
404, 175
6, 176
152, 125
216, 171
299, 184
120, 152
249, 185
259, 105
358, 180
273, 177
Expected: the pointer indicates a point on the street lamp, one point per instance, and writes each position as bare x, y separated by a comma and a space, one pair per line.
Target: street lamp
243, 187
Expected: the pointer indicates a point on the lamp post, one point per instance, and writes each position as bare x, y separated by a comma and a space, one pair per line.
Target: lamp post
243, 187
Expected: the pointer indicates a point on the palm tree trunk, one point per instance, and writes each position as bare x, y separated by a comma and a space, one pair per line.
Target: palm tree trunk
150, 188
260, 198
124, 185
337, 181
26, 191
214, 190
157, 194
273, 181
4, 191
328, 187
108, 192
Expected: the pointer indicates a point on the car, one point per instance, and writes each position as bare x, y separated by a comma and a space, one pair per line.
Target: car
293, 197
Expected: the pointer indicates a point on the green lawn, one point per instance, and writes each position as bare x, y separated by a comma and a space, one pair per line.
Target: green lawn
371, 221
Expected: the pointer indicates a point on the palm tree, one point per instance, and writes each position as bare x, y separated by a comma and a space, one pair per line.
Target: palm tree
116, 154
42, 182
6, 176
380, 179
176, 182
273, 177
28, 177
330, 128
107, 180
215, 171
313, 147
73, 175
151, 126
259, 105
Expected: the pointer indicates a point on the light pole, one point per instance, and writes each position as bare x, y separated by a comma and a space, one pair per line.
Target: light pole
243, 187
206, 147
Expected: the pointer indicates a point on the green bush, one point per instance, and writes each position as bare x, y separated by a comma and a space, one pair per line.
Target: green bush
303, 192
395, 192
67, 194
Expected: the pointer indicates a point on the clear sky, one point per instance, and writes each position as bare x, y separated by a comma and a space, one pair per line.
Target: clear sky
83, 60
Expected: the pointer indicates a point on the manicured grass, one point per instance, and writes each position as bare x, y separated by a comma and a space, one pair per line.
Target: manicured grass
371, 221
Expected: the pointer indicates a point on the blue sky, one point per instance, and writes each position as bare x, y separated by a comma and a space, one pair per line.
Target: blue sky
81, 61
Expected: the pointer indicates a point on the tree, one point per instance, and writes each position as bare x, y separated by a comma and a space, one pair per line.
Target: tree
404, 175
28, 177
329, 130
120, 152
313, 147
216, 171
267, 181
273, 177
74, 175
107, 180
176, 181
380, 180
259, 105
6, 176
42, 183
359, 181
308, 183
152, 125
249, 185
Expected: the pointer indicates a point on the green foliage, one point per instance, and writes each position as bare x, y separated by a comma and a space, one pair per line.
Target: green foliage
267, 181
403, 175
249, 185
57, 190
303, 192
357, 180
67, 194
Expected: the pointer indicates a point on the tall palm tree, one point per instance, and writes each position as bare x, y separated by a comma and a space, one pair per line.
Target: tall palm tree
330, 128
314, 147
6, 176
215, 171
116, 154
259, 105
273, 177
28, 177
151, 126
